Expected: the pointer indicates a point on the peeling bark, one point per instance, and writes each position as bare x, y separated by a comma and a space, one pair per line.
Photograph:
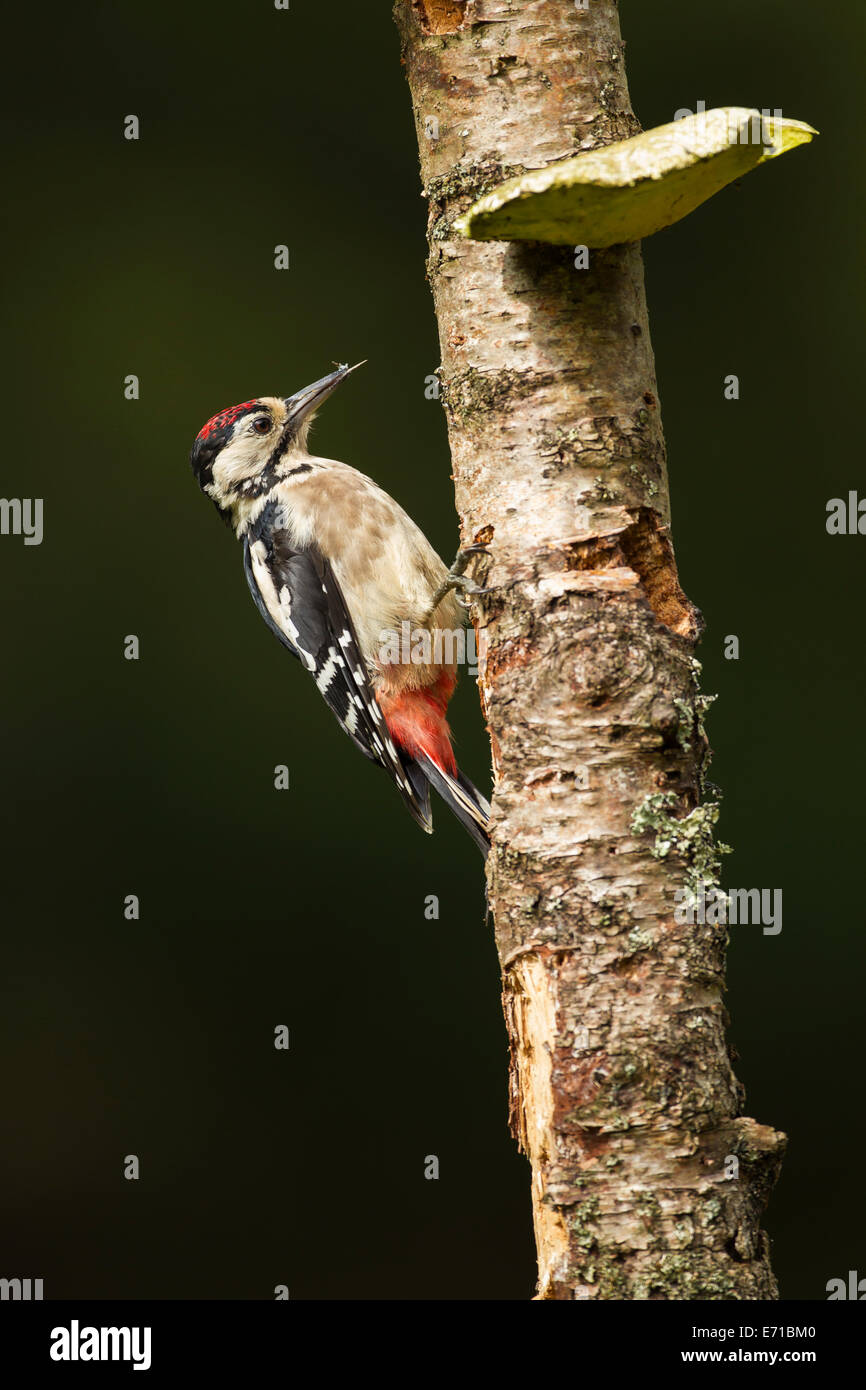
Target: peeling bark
440, 16
622, 1092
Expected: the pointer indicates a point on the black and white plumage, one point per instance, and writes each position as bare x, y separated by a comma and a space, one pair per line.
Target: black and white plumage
334, 564
298, 596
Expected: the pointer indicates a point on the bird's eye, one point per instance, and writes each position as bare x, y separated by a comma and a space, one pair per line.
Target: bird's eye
262, 425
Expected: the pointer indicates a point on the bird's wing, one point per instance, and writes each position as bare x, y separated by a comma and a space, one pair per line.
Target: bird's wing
297, 594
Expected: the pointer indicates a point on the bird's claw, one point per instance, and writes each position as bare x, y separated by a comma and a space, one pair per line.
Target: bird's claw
466, 586
456, 578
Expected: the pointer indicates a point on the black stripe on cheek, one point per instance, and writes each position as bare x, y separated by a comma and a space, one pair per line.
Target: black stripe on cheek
288, 436
269, 477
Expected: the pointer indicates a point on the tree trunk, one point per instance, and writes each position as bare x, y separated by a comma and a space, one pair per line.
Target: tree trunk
646, 1180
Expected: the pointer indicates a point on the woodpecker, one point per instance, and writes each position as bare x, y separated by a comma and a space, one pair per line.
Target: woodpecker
335, 566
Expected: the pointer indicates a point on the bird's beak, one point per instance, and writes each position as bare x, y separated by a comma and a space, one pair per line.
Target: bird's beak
303, 403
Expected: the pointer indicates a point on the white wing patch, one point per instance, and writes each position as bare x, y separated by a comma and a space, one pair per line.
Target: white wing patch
322, 636
279, 605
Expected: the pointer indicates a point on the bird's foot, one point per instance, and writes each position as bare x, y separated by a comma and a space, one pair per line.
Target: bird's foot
457, 579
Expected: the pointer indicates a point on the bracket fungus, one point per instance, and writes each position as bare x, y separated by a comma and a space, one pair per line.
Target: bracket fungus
632, 188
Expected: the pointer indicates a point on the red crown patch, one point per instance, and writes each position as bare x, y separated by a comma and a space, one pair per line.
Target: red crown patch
224, 419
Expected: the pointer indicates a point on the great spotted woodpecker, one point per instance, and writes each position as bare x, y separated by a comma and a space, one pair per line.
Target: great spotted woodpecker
334, 566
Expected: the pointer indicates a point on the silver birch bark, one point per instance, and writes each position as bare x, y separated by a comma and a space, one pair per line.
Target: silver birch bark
647, 1180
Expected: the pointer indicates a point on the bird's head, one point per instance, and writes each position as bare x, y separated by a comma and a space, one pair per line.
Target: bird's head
243, 451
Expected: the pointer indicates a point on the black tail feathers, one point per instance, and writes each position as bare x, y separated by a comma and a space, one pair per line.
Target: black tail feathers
461, 797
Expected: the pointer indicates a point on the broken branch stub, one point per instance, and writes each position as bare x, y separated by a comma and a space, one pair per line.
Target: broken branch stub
628, 190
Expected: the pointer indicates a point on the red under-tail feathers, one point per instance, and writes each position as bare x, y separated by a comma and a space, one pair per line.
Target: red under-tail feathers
417, 724
416, 721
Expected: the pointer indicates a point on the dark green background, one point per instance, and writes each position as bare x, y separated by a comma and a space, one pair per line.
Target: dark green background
155, 778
